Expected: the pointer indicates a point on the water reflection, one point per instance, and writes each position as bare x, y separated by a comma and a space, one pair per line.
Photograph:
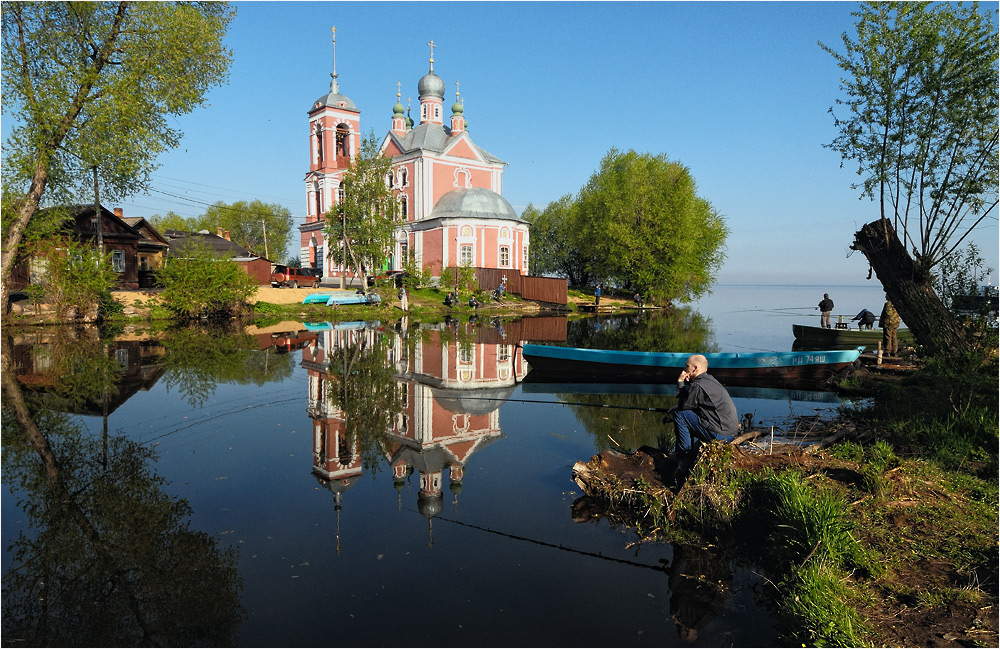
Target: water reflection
410, 404
107, 557
422, 399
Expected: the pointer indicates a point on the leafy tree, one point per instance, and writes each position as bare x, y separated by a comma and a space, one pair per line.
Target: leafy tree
76, 275
264, 228
368, 214
198, 284
174, 221
294, 262
93, 85
555, 244
920, 86
647, 230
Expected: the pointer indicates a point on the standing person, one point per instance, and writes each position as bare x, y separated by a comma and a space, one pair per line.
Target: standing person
404, 305
704, 409
825, 309
889, 321
597, 295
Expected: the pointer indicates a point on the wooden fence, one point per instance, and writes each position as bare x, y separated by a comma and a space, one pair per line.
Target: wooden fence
538, 289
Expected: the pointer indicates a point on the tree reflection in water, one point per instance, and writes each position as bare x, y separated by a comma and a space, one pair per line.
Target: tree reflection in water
109, 559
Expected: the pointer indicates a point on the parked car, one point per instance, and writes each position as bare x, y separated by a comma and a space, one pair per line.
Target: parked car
387, 276
294, 277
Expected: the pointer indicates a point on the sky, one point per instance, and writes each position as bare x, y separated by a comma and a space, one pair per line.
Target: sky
738, 92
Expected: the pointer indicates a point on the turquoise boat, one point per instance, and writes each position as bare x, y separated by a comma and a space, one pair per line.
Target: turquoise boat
549, 363
342, 298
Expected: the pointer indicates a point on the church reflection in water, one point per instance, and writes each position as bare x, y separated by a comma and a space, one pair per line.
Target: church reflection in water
450, 380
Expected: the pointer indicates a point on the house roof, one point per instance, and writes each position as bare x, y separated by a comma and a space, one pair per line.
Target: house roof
146, 229
79, 220
436, 138
219, 246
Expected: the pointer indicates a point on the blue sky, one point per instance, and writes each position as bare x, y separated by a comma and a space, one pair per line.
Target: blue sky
737, 92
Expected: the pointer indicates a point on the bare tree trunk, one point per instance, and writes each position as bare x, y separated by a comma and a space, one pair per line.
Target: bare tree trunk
909, 287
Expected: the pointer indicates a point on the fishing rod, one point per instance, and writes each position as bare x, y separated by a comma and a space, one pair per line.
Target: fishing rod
568, 403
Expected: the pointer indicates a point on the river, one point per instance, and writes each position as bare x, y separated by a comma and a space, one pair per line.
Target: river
363, 484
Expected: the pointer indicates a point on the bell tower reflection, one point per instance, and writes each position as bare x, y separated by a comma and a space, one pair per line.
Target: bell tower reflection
449, 380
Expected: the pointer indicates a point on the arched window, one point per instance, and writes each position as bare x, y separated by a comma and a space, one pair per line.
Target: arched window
403, 178
319, 144
403, 205
342, 144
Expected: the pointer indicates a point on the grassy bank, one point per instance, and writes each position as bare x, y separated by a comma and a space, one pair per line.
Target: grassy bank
888, 539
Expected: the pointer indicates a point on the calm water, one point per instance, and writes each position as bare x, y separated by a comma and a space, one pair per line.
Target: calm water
365, 484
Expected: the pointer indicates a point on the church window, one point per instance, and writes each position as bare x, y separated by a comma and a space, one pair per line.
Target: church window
319, 144
524, 259
465, 258
342, 134
505, 256
405, 181
340, 195
403, 205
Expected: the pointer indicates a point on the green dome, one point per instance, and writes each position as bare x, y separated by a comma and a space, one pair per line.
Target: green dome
398, 110
457, 109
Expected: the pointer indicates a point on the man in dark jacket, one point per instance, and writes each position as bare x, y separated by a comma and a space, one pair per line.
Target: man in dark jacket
704, 409
825, 307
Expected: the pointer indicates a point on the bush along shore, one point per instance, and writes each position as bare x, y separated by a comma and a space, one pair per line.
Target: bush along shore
882, 533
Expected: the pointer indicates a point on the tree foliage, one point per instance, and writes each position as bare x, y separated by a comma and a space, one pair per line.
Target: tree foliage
367, 215
920, 94
95, 85
555, 245
198, 284
76, 276
258, 226
646, 228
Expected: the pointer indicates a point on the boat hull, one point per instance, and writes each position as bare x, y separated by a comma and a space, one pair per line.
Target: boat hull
776, 369
807, 337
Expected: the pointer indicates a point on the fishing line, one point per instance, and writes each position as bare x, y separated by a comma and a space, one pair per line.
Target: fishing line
516, 537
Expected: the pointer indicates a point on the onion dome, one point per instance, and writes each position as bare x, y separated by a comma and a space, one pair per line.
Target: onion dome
430, 85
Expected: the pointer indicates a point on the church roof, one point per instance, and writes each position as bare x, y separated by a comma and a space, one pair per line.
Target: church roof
477, 203
435, 138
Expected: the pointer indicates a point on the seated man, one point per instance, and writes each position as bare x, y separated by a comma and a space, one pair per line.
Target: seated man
473, 302
448, 300
704, 409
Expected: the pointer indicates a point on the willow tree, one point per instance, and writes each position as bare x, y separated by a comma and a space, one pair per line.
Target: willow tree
921, 121
95, 85
360, 226
555, 244
646, 229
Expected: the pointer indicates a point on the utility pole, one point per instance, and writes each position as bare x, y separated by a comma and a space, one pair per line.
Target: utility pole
97, 214
263, 224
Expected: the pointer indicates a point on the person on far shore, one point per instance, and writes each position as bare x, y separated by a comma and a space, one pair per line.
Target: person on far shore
889, 321
473, 302
865, 319
597, 295
825, 309
403, 302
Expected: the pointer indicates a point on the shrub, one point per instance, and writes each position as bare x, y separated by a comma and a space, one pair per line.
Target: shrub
198, 284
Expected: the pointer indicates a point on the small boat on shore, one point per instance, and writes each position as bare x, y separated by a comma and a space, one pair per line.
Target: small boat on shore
807, 337
574, 364
342, 298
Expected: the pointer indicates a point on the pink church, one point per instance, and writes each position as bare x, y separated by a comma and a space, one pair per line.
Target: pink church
448, 187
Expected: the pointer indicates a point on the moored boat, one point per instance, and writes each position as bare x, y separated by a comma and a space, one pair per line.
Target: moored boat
550, 363
807, 337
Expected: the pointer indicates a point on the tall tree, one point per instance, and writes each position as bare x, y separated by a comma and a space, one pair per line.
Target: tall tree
264, 228
920, 84
648, 230
368, 214
93, 85
555, 244
174, 221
